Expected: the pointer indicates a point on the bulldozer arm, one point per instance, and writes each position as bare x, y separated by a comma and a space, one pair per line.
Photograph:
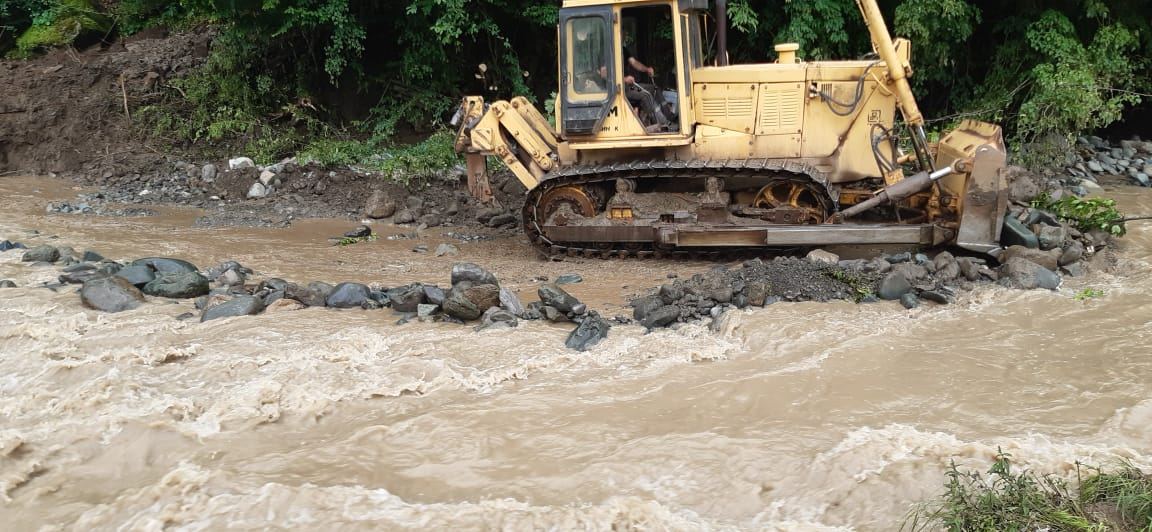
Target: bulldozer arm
513, 131
976, 150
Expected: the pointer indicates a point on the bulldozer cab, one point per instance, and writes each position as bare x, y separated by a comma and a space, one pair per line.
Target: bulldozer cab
605, 93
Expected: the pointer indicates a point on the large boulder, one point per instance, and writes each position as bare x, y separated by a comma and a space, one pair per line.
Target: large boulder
644, 306
661, 317
458, 306
110, 294
555, 297
510, 302
137, 274
1072, 253
1016, 234
407, 298
1049, 259
41, 254
348, 295
497, 318
591, 331
947, 267
1026, 275
185, 285
1050, 237
379, 205
484, 296
165, 264
237, 306
468, 272
894, 286
307, 295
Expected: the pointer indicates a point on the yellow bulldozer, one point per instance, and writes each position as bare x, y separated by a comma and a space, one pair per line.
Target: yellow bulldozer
661, 147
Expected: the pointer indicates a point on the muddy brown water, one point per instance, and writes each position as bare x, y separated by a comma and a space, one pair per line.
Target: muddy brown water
793, 417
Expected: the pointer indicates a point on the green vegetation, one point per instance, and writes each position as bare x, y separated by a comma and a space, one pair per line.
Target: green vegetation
861, 288
1089, 293
1085, 213
350, 240
1007, 499
284, 73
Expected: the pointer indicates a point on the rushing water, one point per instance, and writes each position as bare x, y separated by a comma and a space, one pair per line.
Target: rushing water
793, 417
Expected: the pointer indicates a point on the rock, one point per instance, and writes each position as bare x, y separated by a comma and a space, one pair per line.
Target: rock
820, 255
553, 315
7, 284
1023, 186
894, 286
231, 278
347, 295
6, 245
1048, 259
208, 173
1016, 234
1075, 269
447, 250
569, 278
969, 269
670, 293
1050, 237
1073, 252
433, 294
591, 331
371, 304
661, 317
267, 177
458, 306
41, 254
910, 301
912, 272
379, 205
110, 294
274, 283
284, 305
485, 215
1142, 179
1024, 274
501, 220
176, 285
420, 248
257, 190
644, 306
1095, 166
407, 298
405, 216
306, 295
426, 310
936, 296
237, 306
466, 271
554, 296
484, 296
899, 258
360, 232
240, 162
164, 264
947, 267
137, 274
510, 302
431, 220
496, 317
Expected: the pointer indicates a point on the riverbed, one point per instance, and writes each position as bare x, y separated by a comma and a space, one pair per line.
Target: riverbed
801, 416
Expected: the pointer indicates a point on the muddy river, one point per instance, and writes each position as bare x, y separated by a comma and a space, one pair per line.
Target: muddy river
793, 417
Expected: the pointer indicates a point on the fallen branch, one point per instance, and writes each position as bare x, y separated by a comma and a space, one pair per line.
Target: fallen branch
1135, 218
124, 93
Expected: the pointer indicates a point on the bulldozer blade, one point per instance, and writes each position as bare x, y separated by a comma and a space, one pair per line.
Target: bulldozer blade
985, 201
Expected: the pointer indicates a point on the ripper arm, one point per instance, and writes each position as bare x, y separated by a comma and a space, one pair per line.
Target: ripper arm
514, 131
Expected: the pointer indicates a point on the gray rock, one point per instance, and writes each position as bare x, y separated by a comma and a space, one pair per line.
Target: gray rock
893, 286
405, 216
447, 250
1016, 234
910, 301
1048, 259
237, 306
138, 274
359, 232
240, 162
6, 245
7, 284
497, 318
1073, 252
426, 310
1142, 179
41, 254
307, 295
466, 271
899, 258
407, 298
661, 317
644, 306
970, 270
1027, 275
91, 256
1095, 166
484, 296
947, 267
458, 306
348, 295
820, 255
1074, 270
936, 296
554, 296
431, 220
501, 220
274, 283
267, 177
434, 294
379, 205
164, 264
757, 292
257, 191
110, 294
553, 315
208, 173
670, 294
591, 331
569, 278
510, 302
912, 272
1050, 237
231, 278
177, 285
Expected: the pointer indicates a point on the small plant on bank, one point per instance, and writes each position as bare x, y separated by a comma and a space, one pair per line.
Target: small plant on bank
861, 288
350, 240
1089, 293
1085, 213
1007, 499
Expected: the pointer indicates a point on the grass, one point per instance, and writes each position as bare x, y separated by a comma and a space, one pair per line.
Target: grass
1008, 499
1089, 293
861, 288
350, 240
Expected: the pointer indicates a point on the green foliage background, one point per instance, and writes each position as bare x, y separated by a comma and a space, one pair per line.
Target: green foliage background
285, 73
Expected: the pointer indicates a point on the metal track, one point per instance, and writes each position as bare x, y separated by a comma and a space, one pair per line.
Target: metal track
779, 170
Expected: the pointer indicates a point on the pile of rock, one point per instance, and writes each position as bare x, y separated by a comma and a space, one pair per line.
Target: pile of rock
265, 185
94, 203
1094, 157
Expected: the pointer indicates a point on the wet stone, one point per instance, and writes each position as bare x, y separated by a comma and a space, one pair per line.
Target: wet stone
569, 278
138, 275
91, 256
348, 295
644, 306
458, 306
41, 254
110, 294
7, 284
591, 331
661, 317
1016, 234
466, 271
185, 285
510, 302
406, 298
433, 294
936, 297
554, 296
164, 264
909, 301
495, 318
670, 294
894, 285
238, 306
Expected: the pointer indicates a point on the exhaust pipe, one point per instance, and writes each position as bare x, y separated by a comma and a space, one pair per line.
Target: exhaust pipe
722, 32
897, 192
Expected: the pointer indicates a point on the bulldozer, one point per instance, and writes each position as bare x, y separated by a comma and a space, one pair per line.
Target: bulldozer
699, 155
